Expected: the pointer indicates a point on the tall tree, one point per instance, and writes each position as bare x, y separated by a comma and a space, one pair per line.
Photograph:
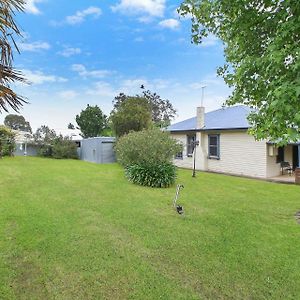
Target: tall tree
91, 121
162, 110
132, 114
261, 40
8, 75
17, 122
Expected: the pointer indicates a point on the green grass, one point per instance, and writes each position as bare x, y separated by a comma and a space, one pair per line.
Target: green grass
75, 230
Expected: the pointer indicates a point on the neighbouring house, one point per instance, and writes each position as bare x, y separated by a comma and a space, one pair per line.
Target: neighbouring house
225, 146
25, 144
98, 150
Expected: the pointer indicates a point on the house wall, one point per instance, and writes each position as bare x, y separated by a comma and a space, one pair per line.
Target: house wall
185, 162
240, 154
32, 150
273, 168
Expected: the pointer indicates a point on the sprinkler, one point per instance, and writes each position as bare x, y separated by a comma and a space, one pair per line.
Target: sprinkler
177, 207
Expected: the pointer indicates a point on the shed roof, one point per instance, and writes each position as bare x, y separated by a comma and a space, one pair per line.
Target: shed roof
234, 117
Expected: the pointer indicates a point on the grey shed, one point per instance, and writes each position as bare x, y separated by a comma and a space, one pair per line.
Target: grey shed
98, 150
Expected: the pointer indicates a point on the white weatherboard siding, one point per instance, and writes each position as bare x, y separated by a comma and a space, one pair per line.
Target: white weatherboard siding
273, 168
240, 154
185, 162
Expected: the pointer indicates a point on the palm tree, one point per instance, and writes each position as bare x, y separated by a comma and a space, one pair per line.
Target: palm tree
8, 75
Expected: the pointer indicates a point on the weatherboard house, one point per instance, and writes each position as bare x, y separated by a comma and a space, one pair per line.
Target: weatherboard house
225, 146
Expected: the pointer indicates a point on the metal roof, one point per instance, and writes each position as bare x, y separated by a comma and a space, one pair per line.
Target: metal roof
234, 117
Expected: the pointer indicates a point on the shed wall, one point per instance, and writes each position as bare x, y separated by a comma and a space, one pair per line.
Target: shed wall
97, 150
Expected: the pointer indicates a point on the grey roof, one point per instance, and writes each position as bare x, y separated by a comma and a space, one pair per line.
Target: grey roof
234, 117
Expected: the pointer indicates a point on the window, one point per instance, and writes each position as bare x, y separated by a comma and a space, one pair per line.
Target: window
190, 145
214, 146
179, 155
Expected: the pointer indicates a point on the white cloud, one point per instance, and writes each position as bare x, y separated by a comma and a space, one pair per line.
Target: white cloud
210, 41
30, 7
69, 51
80, 16
38, 77
35, 46
68, 94
170, 23
83, 72
102, 89
154, 8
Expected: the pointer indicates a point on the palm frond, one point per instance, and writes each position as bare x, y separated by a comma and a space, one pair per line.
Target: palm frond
9, 29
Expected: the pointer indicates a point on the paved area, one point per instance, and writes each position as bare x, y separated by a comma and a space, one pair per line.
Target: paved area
284, 178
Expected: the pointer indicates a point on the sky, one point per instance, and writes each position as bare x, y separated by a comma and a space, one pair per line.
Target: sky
82, 52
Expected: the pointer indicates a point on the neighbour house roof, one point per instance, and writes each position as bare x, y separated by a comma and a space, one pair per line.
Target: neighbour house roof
234, 117
23, 136
73, 134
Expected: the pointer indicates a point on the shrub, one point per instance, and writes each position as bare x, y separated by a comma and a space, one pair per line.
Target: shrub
60, 148
161, 176
147, 147
147, 156
45, 151
7, 141
63, 147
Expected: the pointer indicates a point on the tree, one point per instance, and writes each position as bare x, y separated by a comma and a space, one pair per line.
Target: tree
261, 40
17, 122
132, 114
44, 135
162, 110
8, 75
91, 121
7, 141
71, 126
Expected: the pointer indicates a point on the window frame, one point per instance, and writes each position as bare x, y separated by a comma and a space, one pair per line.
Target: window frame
179, 155
190, 137
216, 146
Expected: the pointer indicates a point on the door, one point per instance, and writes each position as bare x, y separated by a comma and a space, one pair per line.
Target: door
295, 157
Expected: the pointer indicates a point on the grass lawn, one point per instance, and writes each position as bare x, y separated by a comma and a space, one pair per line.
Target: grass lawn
75, 230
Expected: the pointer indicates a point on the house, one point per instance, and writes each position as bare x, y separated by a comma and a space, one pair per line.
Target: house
225, 146
25, 145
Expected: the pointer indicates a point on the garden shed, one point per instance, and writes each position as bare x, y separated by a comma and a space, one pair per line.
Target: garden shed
98, 150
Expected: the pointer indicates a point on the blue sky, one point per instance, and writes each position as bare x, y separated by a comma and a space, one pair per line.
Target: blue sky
87, 51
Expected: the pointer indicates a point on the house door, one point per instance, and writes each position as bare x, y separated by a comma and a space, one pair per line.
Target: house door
295, 157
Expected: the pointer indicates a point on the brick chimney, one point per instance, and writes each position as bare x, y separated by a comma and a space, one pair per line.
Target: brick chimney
200, 117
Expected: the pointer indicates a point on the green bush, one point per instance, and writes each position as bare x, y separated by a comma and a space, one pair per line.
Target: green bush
59, 148
7, 141
160, 176
147, 157
147, 147
45, 151
63, 147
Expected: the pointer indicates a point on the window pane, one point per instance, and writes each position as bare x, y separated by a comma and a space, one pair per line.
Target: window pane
213, 140
213, 146
213, 151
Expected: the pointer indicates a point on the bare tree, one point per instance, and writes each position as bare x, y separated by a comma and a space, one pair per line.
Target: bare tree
8, 75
